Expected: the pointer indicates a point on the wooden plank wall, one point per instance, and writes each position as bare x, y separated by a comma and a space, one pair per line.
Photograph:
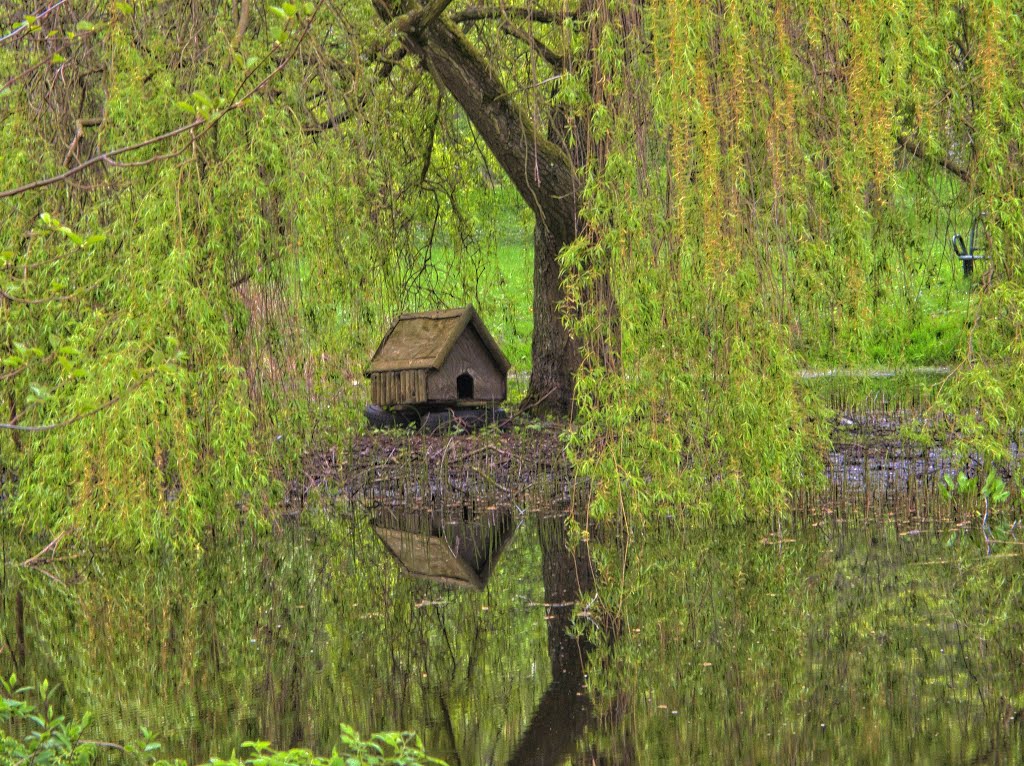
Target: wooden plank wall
399, 387
468, 355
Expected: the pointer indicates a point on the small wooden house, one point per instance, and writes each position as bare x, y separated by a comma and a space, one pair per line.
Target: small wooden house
438, 359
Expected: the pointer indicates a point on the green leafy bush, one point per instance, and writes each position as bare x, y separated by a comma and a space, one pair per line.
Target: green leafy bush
32, 735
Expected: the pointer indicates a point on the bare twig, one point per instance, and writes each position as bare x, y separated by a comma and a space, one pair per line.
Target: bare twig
46, 552
107, 157
40, 15
98, 743
550, 56
387, 66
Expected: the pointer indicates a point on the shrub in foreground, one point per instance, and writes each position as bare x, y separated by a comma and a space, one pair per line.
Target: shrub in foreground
31, 734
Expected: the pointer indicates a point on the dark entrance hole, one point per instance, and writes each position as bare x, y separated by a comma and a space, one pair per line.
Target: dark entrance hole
464, 386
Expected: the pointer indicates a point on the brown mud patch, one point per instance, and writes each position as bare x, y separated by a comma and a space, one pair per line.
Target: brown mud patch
875, 468
514, 467
893, 464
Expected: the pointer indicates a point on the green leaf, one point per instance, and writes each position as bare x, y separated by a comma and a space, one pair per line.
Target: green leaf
39, 393
85, 26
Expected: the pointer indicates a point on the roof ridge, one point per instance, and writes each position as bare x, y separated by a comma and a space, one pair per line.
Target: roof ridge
466, 315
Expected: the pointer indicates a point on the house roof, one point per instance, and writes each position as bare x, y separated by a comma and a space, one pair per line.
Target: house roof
423, 341
429, 557
463, 553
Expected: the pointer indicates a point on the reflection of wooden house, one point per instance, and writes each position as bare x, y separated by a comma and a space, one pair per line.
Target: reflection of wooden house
438, 358
446, 548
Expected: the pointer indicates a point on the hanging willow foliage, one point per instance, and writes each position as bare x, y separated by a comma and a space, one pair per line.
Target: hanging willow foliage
804, 167
762, 188
179, 323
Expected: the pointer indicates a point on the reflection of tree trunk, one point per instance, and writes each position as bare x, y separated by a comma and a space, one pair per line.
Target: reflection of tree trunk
291, 696
565, 710
449, 729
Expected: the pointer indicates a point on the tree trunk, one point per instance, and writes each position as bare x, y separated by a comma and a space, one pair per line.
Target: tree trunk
543, 173
555, 354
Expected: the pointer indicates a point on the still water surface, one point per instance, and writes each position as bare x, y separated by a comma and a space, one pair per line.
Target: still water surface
830, 644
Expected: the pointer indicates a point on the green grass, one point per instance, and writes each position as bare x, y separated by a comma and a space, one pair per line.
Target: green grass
505, 296
511, 319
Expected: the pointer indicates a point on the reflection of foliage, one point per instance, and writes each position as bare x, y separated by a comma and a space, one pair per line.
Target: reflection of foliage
281, 637
46, 739
852, 646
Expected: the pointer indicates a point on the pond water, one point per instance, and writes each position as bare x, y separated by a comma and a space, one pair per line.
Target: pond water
829, 643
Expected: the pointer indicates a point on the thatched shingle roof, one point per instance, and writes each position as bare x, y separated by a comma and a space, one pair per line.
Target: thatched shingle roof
424, 340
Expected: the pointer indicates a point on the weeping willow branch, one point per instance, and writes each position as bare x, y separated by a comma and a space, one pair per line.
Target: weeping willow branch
18, 370
49, 299
202, 124
77, 418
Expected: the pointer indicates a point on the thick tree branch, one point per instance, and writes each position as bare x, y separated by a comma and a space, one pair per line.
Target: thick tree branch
243, 25
915, 149
421, 17
535, 15
428, 145
541, 171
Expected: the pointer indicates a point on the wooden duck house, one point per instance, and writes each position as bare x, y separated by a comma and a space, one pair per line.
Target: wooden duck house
438, 359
